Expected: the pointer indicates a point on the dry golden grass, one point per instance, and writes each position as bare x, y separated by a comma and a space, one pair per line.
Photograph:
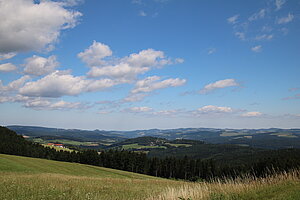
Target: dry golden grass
240, 188
24, 178
59, 186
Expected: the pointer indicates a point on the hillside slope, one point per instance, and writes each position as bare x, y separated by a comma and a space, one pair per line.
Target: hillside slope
31, 178
9, 163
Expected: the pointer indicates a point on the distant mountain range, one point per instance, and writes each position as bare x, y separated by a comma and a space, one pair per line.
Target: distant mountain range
273, 138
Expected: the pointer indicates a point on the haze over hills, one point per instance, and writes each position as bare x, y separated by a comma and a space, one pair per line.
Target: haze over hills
272, 138
180, 159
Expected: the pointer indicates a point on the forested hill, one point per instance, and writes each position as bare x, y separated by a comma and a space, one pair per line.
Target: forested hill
82, 135
272, 138
169, 167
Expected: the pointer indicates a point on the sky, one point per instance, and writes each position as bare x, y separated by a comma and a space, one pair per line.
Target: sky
143, 64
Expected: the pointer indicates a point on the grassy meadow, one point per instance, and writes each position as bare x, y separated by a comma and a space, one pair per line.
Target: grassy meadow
32, 178
137, 146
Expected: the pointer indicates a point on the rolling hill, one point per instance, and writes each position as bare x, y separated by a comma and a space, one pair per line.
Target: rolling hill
32, 178
272, 138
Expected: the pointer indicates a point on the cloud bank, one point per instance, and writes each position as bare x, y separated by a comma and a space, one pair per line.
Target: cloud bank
29, 26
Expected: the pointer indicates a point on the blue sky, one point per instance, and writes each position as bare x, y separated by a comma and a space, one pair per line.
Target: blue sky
140, 64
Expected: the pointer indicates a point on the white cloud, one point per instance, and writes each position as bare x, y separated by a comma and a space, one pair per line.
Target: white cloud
219, 84
251, 114
211, 51
147, 58
14, 85
71, 2
257, 48
7, 67
27, 26
17, 98
38, 66
264, 37
279, 4
126, 69
233, 19
60, 84
142, 13
258, 15
43, 104
123, 71
240, 35
284, 31
286, 19
152, 83
138, 109
4, 56
135, 97
93, 56
266, 29
214, 109
167, 112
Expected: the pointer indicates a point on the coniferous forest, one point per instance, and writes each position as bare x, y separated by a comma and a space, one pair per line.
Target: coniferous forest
168, 167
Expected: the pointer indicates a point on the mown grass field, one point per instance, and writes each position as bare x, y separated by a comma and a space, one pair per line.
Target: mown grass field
31, 178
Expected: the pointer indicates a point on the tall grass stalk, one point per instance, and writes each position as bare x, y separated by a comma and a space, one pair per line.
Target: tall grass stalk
227, 188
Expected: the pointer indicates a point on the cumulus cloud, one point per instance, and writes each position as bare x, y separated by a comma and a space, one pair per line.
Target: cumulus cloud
38, 66
7, 67
260, 14
44, 104
27, 26
251, 114
287, 19
256, 49
218, 85
5, 56
71, 2
93, 56
152, 83
60, 83
233, 19
147, 58
214, 109
16, 98
124, 72
125, 69
14, 85
279, 4
137, 109
135, 97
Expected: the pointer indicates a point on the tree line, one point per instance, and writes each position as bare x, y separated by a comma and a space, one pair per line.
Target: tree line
168, 167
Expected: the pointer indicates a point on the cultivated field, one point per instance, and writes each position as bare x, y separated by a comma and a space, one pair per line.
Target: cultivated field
31, 178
